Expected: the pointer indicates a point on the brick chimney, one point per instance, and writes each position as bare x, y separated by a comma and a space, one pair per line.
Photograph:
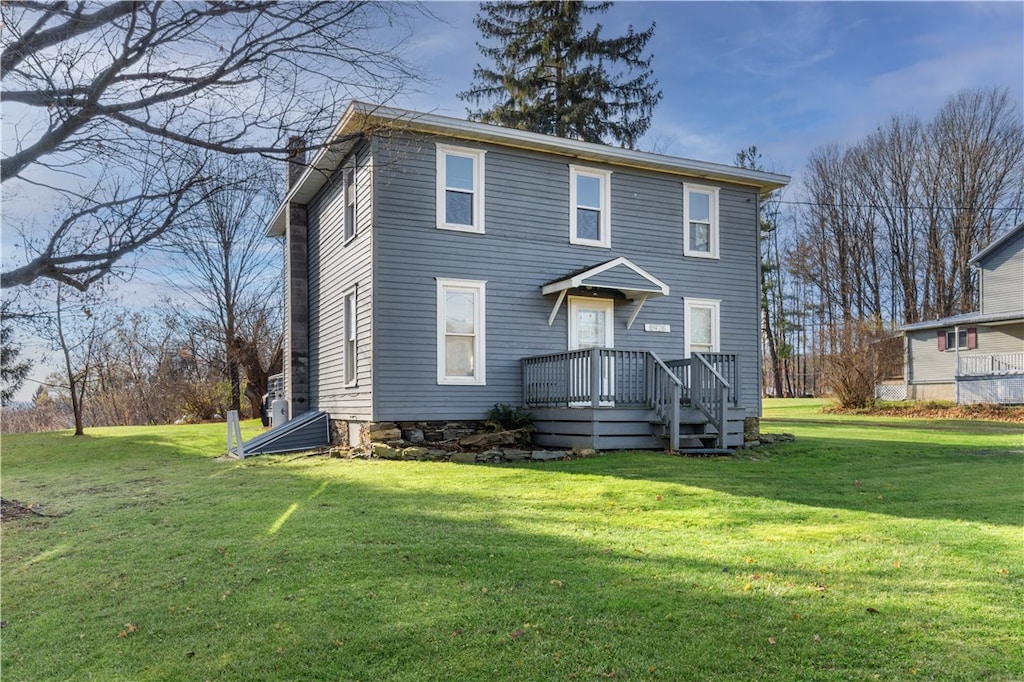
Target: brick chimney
296, 160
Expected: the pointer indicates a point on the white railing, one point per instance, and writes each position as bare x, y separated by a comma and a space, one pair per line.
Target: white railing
989, 365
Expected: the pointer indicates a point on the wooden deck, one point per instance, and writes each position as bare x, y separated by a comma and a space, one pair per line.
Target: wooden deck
610, 399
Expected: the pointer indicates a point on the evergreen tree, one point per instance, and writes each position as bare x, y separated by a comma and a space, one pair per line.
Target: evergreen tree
551, 75
12, 371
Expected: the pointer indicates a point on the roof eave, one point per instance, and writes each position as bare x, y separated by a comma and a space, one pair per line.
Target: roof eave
996, 245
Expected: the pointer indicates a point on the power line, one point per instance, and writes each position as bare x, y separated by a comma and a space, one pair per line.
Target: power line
879, 207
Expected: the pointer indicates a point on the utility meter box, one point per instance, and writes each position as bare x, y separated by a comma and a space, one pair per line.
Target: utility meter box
278, 412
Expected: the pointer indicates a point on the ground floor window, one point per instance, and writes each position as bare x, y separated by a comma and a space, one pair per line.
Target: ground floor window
701, 323
461, 340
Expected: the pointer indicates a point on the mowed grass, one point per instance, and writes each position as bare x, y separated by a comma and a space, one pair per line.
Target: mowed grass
865, 550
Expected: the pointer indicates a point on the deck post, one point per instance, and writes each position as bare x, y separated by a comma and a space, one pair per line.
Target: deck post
722, 407
673, 434
524, 398
595, 377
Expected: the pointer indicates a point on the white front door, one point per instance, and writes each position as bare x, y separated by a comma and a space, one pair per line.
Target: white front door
592, 325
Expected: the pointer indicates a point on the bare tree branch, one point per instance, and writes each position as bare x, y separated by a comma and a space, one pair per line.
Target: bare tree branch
117, 86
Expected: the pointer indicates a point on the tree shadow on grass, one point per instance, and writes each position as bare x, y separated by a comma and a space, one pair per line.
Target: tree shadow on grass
893, 478
319, 570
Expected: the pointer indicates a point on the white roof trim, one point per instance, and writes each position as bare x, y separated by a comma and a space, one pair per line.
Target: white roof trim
658, 288
996, 245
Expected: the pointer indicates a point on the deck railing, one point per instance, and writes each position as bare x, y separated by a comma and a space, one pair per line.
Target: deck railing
725, 364
709, 393
599, 377
988, 365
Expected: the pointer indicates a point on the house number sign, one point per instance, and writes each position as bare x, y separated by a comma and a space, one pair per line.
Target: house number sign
657, 328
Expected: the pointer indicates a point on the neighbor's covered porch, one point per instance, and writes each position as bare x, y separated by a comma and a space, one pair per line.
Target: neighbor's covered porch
995, 378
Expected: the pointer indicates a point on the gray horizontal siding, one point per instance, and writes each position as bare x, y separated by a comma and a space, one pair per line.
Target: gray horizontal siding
525, 246
926, 363
336, 268
1002, 278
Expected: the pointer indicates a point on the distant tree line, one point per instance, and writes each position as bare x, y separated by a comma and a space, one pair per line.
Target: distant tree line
883, 236
136, 367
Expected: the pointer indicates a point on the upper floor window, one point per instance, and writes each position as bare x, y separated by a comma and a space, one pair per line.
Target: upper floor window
590, 220
460, 189
349, 188
700, 221
461, 344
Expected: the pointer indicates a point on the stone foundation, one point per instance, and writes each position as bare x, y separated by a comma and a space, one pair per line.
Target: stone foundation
405, 434
751, 429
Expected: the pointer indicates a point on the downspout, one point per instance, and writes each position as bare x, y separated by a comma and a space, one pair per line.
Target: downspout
758, 295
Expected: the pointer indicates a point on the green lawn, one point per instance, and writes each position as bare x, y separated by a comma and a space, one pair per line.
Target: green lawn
866, 550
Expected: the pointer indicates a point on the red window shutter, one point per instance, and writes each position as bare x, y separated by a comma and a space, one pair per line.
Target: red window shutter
942, 340
972, 338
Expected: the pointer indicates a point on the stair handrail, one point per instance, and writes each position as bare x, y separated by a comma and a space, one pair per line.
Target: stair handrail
709, 393
664, 396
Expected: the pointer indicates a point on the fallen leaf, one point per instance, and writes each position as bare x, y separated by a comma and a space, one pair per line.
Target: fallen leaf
557, 583
659, 498
516, 634
896, 564
796, 616
771, 640
1003, 571
817, 638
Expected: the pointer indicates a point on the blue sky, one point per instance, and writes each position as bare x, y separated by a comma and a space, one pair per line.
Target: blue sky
786, 76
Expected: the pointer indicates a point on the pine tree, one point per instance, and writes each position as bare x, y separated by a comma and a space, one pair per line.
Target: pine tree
12, 372
551, 75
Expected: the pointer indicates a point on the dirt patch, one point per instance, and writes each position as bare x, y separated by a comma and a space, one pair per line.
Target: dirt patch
14, 509
931, 410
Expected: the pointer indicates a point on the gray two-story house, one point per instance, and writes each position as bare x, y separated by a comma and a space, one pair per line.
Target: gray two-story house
437, 267
976, 357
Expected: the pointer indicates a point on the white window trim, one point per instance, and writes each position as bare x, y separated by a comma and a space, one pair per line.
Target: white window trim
606, 206
950, 348
716, 308
479, 287
355, 202
353, 380
713, 237
478, 188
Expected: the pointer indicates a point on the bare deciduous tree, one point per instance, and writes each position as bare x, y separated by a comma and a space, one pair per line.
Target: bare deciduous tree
130, 90
233, 269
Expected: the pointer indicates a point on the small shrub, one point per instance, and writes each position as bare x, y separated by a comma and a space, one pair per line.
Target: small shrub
504, 417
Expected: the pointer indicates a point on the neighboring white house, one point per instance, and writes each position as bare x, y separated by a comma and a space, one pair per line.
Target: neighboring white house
975, 357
